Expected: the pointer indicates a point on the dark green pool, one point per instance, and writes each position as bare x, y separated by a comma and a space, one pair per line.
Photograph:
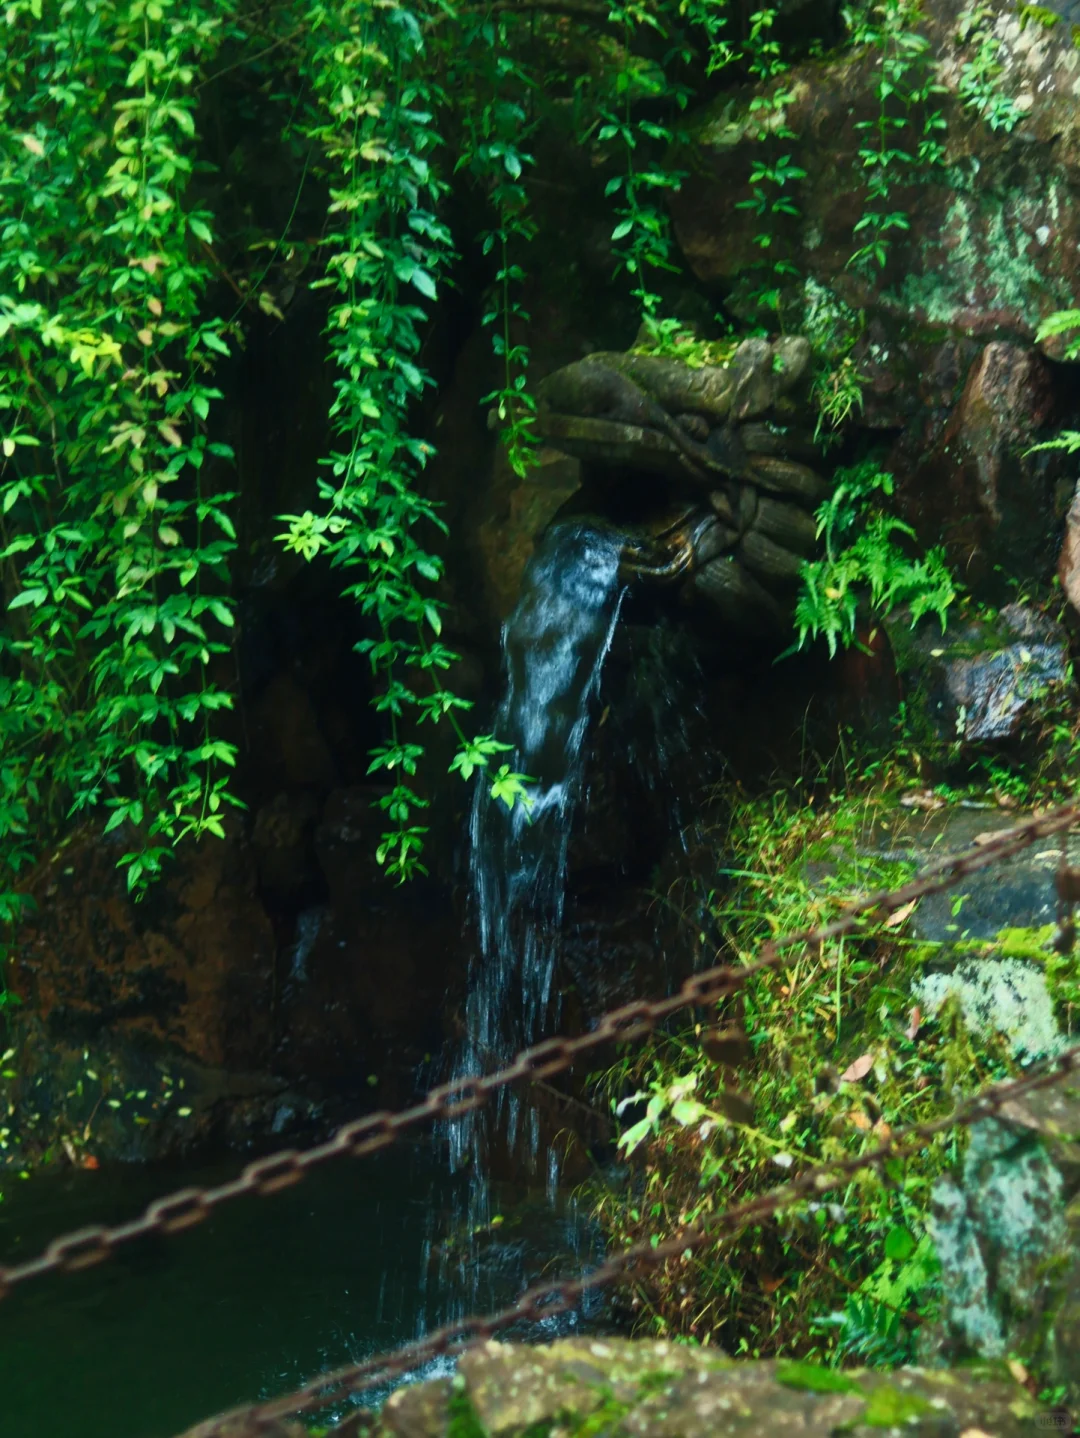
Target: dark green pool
251, 1303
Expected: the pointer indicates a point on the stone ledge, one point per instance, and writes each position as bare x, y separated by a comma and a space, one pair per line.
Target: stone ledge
654, 1389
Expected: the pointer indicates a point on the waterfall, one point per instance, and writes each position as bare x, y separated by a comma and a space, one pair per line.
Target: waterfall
554, 649
554, 646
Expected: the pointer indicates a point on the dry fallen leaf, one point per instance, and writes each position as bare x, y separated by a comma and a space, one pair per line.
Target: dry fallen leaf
1018, 1371
859, 1119
922, 799
859, 1069
913, 1027
897, 918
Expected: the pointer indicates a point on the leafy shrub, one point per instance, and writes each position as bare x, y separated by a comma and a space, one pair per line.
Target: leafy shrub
816, 1059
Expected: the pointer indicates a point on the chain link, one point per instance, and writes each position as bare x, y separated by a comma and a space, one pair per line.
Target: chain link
544, 1299
177, 1211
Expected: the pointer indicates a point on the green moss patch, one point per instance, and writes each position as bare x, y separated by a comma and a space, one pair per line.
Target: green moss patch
813, 1378
892, 1407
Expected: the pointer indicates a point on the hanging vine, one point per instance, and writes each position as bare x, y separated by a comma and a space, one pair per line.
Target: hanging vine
115, 533
116, 530
376, 125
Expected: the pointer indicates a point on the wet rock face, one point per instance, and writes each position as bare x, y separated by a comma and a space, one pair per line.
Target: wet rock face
665, 1390
981, 682
262, 979
192, 964
968, 477
945, 335
144, 1029
993, 249
364, 980
1069, 558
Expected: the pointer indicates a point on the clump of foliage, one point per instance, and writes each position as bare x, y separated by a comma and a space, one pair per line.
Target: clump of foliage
817, 1059
127, 274
904, 140
982, 69
1062, 322
839, 393
116, 534
866, 560
674, 340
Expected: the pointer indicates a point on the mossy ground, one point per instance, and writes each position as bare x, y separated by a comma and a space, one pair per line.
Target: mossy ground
835, 1056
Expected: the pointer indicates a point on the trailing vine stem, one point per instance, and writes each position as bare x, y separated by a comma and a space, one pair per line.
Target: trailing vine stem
496, 128
771, 199
374, 120
905, 89
642, 235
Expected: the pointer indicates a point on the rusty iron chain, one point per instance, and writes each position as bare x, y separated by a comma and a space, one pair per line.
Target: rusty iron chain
189, 1206
547, 1298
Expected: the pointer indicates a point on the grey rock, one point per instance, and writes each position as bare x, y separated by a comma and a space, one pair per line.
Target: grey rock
994, 1233
980, 681
1008, 1238
1007, 996
1016, 893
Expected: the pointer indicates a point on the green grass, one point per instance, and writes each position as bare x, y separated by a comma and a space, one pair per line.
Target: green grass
853, 1276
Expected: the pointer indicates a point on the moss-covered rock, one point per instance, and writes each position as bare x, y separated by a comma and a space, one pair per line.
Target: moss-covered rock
648, 1389
1007, 1236
992, 249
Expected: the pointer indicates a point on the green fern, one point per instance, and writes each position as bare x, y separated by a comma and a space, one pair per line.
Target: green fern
877, 1324
865, 562
1060, 323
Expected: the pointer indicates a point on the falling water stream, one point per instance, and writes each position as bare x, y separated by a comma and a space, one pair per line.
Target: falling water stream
554, 647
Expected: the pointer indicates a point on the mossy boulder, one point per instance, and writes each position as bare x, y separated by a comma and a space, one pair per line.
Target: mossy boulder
653, 1389
1007, 1235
